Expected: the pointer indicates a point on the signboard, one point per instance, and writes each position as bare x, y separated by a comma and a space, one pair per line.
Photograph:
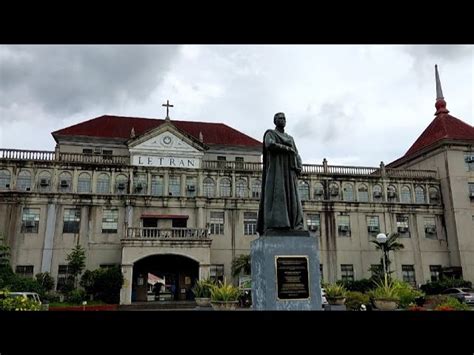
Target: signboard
169, 162
292, 277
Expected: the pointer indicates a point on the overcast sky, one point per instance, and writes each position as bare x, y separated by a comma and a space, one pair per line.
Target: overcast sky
351, 104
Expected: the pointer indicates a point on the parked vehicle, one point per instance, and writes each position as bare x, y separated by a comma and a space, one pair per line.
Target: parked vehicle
33, 296
465, 295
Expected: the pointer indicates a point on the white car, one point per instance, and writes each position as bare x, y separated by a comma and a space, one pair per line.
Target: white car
33, 296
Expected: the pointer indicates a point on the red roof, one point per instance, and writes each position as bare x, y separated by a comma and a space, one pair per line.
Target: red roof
444, 126
120, 127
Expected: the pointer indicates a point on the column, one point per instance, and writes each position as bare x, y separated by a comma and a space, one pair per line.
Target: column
47, 256
126, 290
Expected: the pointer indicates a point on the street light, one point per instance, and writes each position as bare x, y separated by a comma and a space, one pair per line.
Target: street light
382, 239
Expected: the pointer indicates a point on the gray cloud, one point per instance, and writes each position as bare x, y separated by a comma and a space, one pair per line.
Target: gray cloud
64, 80
446, 52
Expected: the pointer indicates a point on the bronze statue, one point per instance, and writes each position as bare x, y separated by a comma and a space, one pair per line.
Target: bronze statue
280, 204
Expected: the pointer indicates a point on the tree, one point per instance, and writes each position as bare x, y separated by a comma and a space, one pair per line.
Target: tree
76, 262
240, 264
391, 244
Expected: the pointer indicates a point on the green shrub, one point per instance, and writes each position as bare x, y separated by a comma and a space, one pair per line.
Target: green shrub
224, 292
46, 281
454, 304
335, 291
385, 291
18, 304
406, 293
77, 296
202, 288
355, 299
103, 284
363, 285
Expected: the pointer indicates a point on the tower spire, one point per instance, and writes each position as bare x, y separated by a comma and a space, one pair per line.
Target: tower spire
440, 102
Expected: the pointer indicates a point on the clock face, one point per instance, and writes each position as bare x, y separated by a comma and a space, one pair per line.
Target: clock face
167, 140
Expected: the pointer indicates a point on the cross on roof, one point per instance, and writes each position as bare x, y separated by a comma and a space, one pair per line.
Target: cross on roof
167, 105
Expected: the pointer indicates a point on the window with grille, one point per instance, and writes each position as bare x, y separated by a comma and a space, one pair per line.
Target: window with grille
373, 225
420, 195
408, 274
216, 223
24, 270
403, 225
250, 223
65, 182
140, 184
430, 227
469, 161
319, 191
392, 193
64, 277
363, 194
434, 196
216, 273
303, 190
110, 220
5, 177
225, 188
405, 196
239, 162
72, 220
348, 192
174, 188
256, 188
313, 223
23, 183
347, 272
103, 184
435, 272
121, 184
44, 181
221, 162
334, 191
241, 188
191, 186
377, 193
157, 185
107, 154
84, 183
344, 226
209, 187
471, 190
30, 220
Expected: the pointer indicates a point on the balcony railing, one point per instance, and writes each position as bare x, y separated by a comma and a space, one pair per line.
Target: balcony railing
317, 169
167, 233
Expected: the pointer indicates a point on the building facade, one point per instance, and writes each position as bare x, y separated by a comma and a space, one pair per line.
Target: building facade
179, 200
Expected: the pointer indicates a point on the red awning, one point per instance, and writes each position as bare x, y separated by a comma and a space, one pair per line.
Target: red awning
163, 216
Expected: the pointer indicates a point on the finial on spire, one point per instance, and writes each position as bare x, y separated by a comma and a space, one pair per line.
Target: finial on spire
132, 132
440, 102
201, 137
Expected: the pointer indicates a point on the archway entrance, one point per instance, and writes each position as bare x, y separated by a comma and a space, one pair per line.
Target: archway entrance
164, 277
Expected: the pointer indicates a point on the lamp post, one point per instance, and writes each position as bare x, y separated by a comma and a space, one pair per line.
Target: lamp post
382, 239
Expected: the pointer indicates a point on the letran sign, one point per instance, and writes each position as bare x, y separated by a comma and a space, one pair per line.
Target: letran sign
171, 162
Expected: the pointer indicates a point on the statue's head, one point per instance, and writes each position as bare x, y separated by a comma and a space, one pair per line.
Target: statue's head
279, 119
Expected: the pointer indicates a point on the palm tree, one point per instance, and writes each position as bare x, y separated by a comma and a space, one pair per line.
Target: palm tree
240, 264
391, 244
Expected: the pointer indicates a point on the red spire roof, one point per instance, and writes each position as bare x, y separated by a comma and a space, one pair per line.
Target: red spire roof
444, 126
120, 127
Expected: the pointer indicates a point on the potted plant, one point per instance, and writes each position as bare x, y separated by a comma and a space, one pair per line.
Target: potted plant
202, 292
386, 296
224, 296
335, 294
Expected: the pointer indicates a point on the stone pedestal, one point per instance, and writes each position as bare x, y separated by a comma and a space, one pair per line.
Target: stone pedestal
285, 272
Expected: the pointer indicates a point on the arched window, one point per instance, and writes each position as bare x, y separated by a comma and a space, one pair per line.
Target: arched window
23, 182
256, 188
391, 193
84, 185
65, 182
5, 178
434, 195
44, 181
209, 187
363, 193
303, 189
348, 192
377, 193
157, 185
225, 187
103, 184
174, 185
140, 184
405, 196
334, 191
121, 184
420, 195
318, 191
241, 188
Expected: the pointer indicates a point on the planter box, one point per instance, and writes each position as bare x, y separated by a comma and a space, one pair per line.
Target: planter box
224, 305
203, 302
385, 305
101, 307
